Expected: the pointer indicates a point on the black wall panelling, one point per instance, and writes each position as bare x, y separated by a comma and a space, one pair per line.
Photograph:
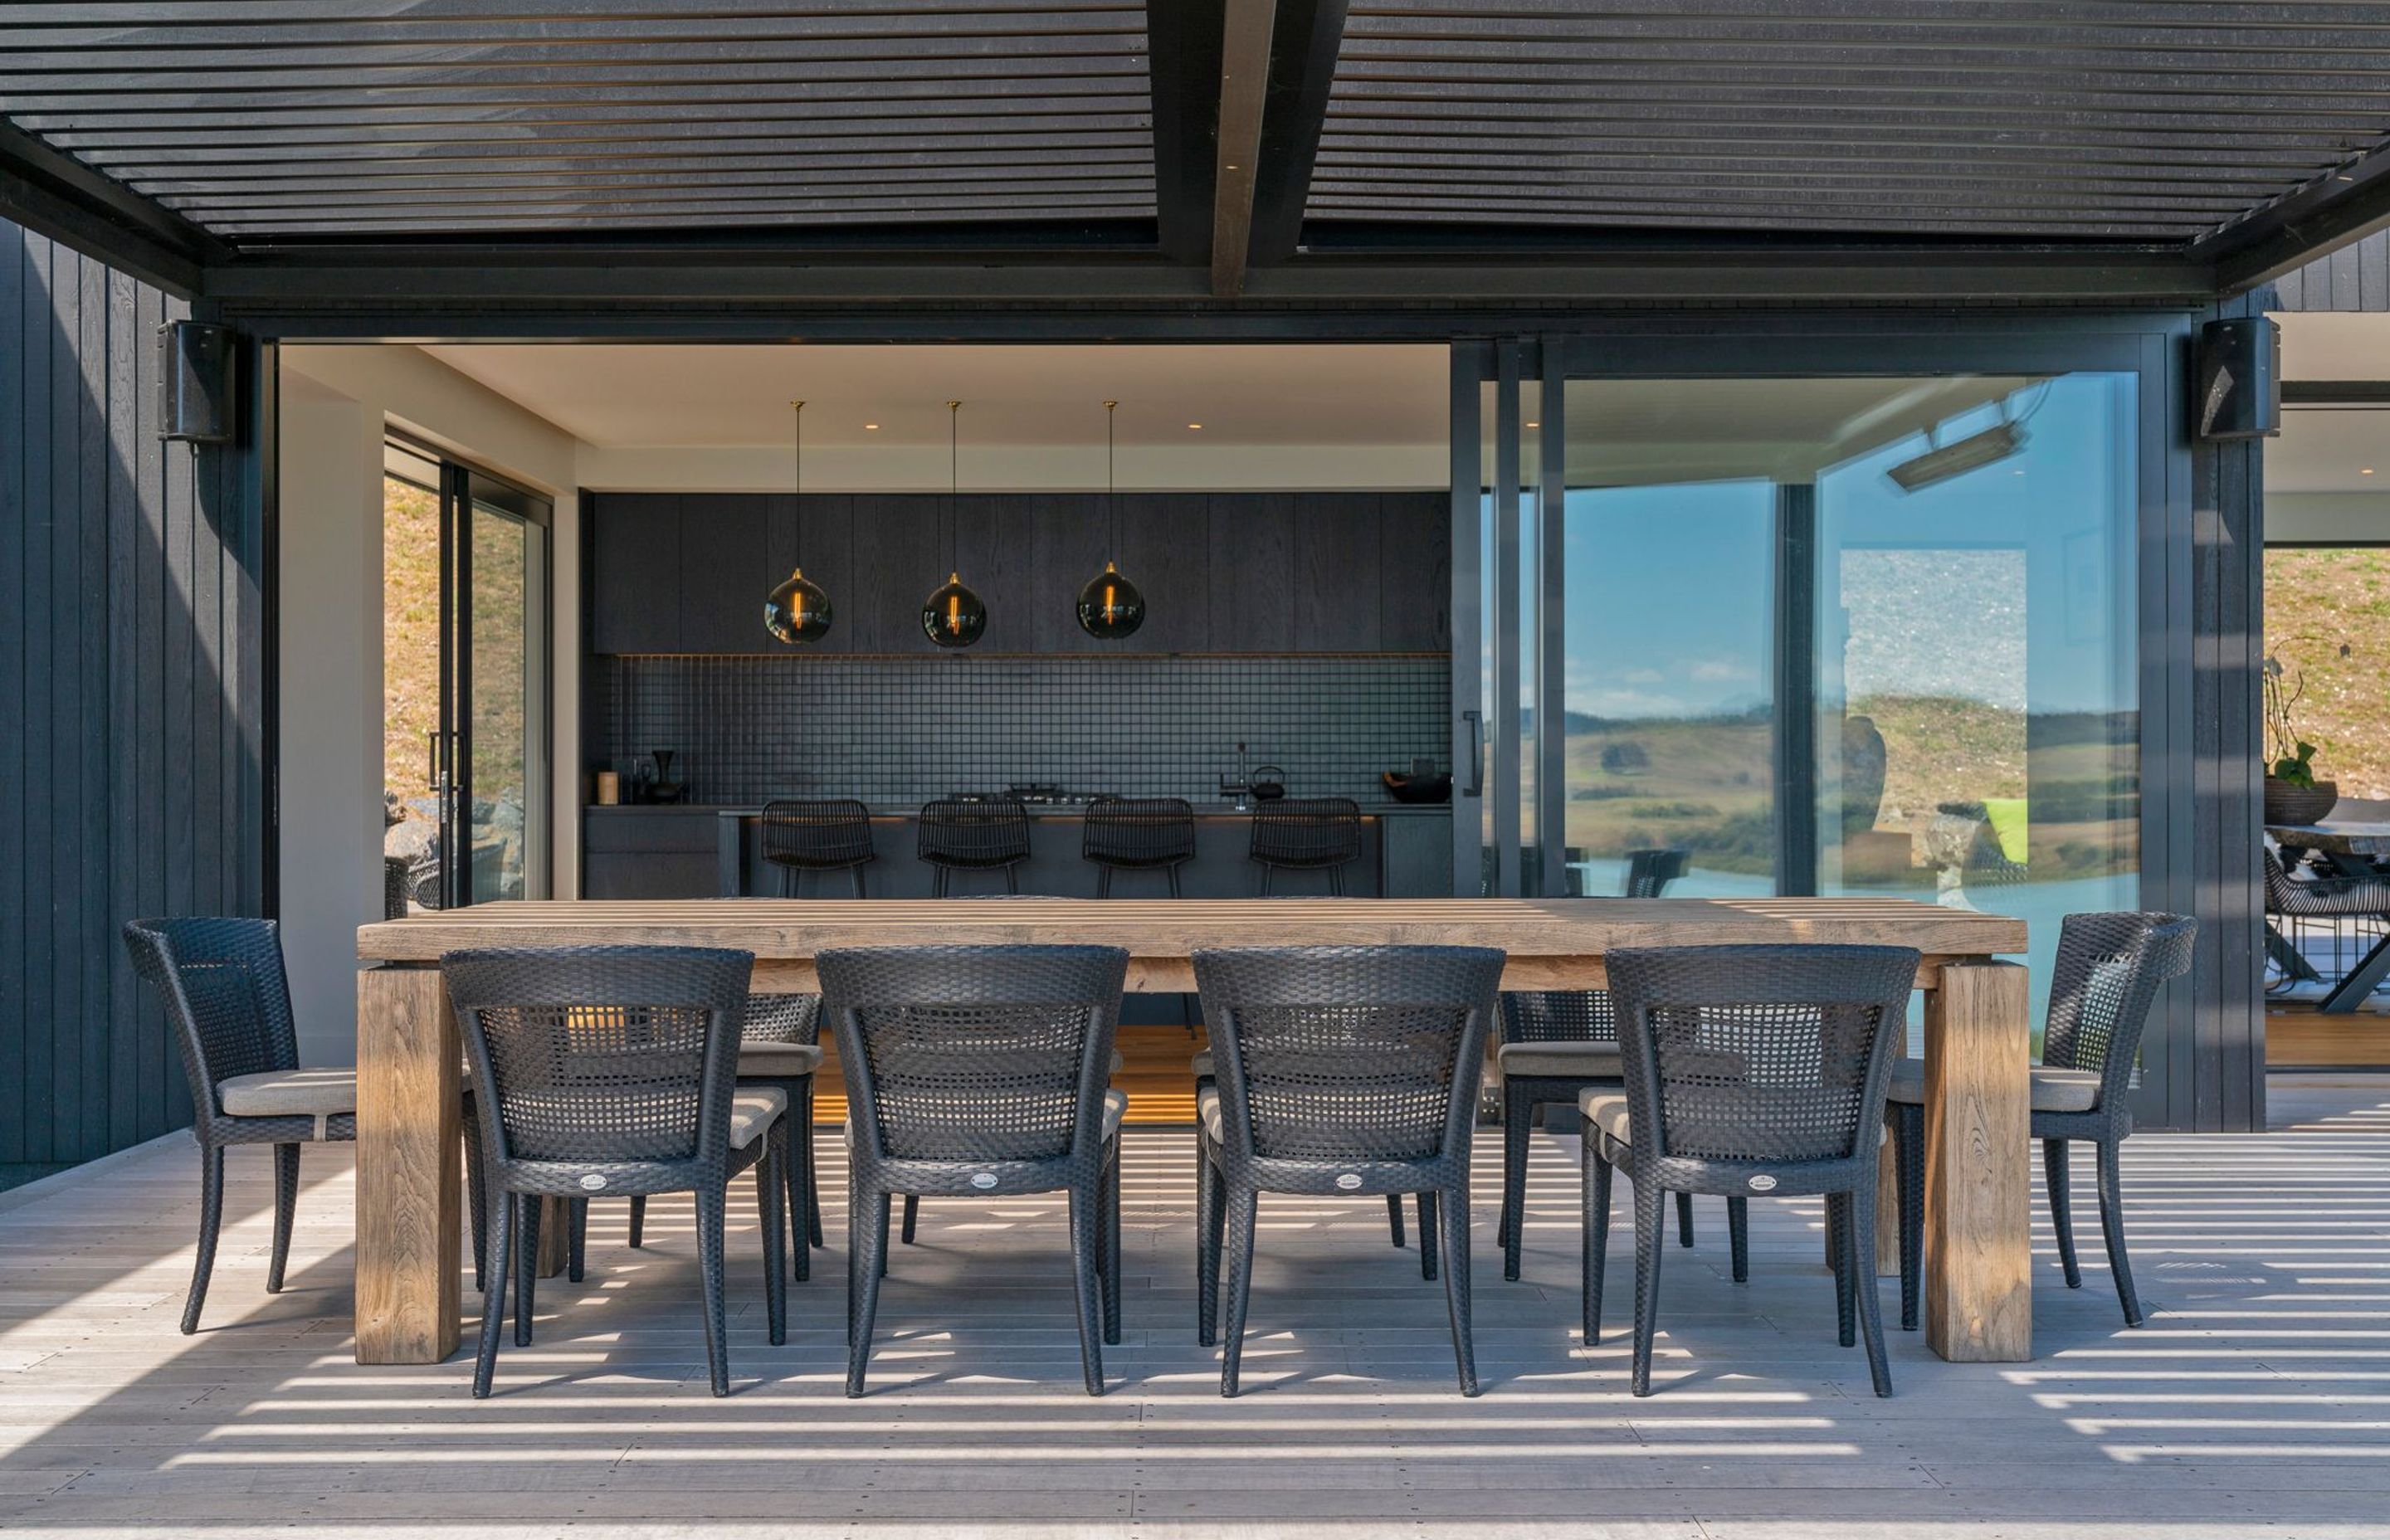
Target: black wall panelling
1326, 572
132, 688
2356, 278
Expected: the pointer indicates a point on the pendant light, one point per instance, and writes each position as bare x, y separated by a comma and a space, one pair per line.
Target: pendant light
798, 610
954, 615
1110, 605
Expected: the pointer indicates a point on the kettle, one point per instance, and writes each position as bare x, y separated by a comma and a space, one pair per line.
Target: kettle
1268, 783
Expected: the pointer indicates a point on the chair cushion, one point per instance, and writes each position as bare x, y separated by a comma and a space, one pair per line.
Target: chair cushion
1201, 1065
752, 1113
1207, 1112
2054, 1089
289, 1094
1605, 1111
781, 1061
1565, 1061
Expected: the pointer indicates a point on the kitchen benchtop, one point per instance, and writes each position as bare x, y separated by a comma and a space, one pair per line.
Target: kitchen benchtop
909, 809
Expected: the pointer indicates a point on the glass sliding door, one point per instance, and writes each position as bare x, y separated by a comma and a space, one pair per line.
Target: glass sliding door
466, 677
1811, 633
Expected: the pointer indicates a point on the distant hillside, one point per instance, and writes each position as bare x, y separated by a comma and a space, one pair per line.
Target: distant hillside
2317, 602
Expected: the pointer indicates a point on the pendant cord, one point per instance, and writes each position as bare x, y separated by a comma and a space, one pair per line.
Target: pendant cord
798, 523
1111, 490
954, 478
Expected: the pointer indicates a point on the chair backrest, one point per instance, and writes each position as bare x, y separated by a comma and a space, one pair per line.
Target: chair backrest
1775, 1054
602, 1055
823, 834
974, 1053
1649, 872
990, 831
1138, 832
1307, 831
1348, 1053
225, 993
782, 1018
1558, 1016
2108, 972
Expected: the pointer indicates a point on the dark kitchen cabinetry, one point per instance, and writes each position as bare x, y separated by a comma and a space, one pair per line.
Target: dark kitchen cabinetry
1272, 571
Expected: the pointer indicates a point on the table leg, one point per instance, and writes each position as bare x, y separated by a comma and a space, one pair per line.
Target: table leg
408, 1161
1978, 1165
2358, 986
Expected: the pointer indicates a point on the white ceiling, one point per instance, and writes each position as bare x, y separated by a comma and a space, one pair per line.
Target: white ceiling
717, 395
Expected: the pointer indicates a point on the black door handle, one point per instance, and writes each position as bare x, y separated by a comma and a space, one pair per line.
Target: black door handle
1476, 753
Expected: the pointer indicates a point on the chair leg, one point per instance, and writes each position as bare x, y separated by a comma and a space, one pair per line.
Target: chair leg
2112, 1227
1011, 879
867, 1228
1394, 1216
1684, 1219
1111, 1259
772, 1205
1267, 872
856, 874
1336, 881
1103, 882
1516, 1112
1846, 1280
1597, 1237
576, 1240
1087, 1247
1210, 1216
493, 1295
286, 1207
797, 1176
1173, 874
2061, 1216
638, 1219
210, 1221
1651, 1245
912, 1214
711, 1204
1452, 1239
477, 1198
1430, 1229
1738, 1236
1908, 1134
803, 1135
938, 883
526, 1265
1859, 1267
1243, 1206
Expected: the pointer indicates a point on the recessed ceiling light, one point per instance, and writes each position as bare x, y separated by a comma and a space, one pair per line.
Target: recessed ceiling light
2366, 472
1194, 425
871, 427
1534, 425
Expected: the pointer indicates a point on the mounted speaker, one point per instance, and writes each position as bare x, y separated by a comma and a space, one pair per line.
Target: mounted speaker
2240, 379
195, 383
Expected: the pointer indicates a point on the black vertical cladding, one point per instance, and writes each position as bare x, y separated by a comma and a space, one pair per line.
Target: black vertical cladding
131, 650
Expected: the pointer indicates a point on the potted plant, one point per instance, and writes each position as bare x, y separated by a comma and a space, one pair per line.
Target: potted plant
2293, 793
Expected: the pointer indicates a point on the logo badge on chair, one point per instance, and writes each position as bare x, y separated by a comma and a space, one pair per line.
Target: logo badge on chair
982, 1179
593, 1182
1348, 1181
1762, 1184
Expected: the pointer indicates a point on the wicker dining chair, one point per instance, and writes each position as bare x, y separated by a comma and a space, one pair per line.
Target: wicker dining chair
1299, 834
780, 1040
1137, 834
964, 834
227, 1004
2107, 974
613, 1068
1747, 1070
980, 1072
1343, 1071
817, 835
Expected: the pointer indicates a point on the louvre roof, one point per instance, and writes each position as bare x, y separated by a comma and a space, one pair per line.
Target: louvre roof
2199, 143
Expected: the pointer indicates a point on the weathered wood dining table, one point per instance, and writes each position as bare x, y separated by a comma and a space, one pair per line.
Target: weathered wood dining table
1978, 1276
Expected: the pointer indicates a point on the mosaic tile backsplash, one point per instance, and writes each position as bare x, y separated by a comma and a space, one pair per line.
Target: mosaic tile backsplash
898, 730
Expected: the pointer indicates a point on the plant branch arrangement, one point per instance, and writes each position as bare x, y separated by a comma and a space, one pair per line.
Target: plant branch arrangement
2289, 758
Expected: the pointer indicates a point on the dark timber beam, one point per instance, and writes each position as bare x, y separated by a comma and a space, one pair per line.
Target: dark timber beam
1303, 66
2318, 219
1183, 62
54, 195
1244, 94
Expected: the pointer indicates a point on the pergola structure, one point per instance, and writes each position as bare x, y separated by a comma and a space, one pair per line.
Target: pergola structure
1307, 152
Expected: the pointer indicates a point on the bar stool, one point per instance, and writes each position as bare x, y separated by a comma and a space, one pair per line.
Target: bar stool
974, 835
1306, 834
801, 837
1137, 834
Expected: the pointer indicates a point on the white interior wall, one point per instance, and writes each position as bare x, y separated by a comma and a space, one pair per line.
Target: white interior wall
337, 402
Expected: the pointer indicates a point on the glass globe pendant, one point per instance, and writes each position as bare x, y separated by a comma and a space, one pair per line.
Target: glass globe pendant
953, 616
1110, 607
798, 610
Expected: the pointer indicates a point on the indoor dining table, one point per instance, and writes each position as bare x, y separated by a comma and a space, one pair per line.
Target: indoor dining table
1978, 1277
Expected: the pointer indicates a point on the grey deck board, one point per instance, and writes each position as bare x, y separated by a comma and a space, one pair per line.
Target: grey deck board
2255, 1402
